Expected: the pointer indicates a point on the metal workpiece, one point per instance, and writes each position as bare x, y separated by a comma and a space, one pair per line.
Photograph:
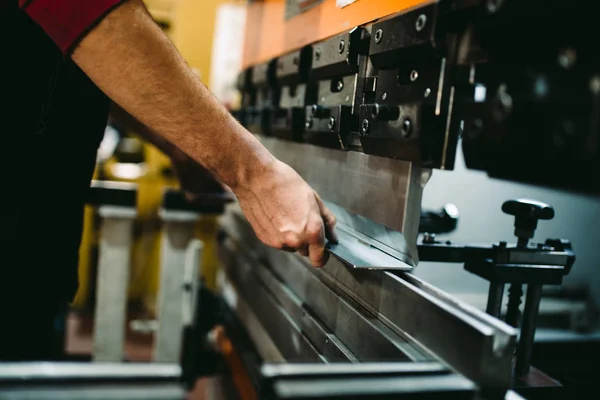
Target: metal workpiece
382, 193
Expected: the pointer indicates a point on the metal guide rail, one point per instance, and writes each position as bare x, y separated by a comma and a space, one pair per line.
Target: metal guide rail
364, 322
514, 79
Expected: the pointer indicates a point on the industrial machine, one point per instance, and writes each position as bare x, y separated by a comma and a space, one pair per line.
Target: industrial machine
365, 100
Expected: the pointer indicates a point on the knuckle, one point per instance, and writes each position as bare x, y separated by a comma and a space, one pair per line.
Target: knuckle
314, 229
292, 241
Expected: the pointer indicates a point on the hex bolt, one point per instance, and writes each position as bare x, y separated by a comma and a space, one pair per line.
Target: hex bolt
331, 124
414, 74
365, 127
378, 36
406, 127
421, 21
342, 46
339, 85
317, 54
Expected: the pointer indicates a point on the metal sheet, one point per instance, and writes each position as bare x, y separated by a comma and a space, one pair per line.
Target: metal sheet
378, 197
359, 253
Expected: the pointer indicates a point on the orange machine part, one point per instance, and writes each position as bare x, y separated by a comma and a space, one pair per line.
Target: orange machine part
269, 35
241, 379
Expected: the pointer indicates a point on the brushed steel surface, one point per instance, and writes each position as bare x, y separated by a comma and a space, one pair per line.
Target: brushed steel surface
379, 197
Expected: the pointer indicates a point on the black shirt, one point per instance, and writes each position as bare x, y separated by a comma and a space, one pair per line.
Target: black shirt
52, 119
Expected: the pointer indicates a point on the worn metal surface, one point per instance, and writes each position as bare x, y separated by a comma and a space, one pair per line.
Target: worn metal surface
113, 278
376, 196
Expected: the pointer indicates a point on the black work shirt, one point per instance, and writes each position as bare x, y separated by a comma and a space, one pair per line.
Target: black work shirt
52, 119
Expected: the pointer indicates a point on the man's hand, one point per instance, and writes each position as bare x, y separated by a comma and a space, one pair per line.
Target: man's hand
287, 214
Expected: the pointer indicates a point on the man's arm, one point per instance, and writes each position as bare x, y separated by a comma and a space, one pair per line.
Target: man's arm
135, 64
195, 181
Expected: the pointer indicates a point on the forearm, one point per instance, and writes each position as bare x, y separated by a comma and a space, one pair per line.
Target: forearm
135, 64
125, 120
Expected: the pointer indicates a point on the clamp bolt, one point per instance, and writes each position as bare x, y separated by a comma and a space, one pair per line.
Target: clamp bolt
366, 126
421, 21
331, 124
378, 36
342, 46
406, 127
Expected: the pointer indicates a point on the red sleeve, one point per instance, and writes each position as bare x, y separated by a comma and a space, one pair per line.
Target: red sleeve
67, 21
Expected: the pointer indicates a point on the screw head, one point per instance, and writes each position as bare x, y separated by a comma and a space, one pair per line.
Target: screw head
313, 109
366, 126
339, 85
414, 74
309, 123
318, 54
331, 123
378, 36
421, 22
342, 46
406, 127
427, 92
384, 96
374, 110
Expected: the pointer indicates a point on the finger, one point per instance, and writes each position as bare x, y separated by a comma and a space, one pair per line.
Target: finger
303, 251
328, 219
316, 246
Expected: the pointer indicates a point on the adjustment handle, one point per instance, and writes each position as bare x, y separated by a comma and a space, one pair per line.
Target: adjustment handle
527, 213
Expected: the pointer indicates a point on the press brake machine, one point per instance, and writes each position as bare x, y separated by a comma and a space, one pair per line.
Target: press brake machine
365, 101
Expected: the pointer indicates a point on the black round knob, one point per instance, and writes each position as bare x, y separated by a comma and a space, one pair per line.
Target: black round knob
527, 213
526, 208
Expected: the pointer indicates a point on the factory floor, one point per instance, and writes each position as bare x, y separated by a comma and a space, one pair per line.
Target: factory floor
138, 348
